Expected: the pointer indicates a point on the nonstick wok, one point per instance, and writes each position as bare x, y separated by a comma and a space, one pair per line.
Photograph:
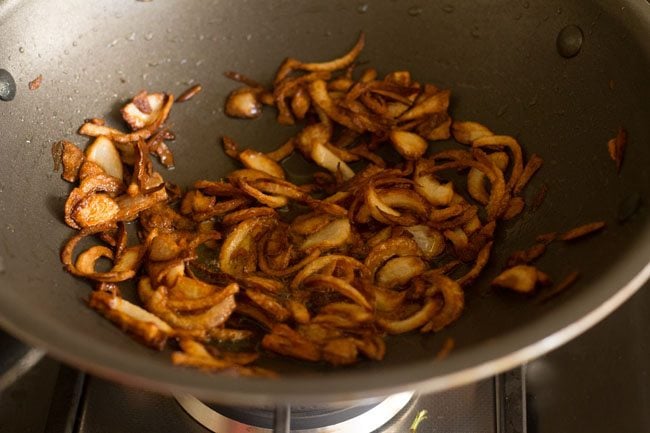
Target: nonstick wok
502, 62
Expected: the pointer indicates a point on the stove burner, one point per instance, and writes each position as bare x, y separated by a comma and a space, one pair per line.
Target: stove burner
363, 418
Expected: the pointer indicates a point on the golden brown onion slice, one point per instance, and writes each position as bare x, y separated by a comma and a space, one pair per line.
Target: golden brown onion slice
408, 144
333, 235
136, 321
417, 320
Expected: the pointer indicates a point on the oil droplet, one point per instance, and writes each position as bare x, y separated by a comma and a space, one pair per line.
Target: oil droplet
415, 11
148, 36
75, 43
533, 101
362, 8
131, 37
475, 33
7, 86
569, 41
448, 8
21, 50
526, 5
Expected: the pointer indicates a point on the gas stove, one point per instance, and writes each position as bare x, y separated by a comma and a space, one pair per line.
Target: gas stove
597, 383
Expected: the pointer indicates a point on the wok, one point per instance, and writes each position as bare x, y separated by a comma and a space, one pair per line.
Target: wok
499, 58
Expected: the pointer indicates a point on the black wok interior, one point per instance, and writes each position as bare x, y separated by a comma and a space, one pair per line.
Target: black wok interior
498, 57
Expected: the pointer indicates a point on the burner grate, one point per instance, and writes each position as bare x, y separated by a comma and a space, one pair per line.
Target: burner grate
365, 417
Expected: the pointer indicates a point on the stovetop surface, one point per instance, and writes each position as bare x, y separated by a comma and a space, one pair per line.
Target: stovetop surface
597, 383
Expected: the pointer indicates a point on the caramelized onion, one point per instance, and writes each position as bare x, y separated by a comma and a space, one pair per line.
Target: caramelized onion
323, 269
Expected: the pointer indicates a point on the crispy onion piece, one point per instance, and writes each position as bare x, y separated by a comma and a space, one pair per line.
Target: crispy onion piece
213, 317
254, 312
270, 305
265, 284
399, 246
340, 351
405, 199
264, 267
130, 207
435, 192
512, 144
244, 103
332, 260
566, 282
189, 93
346, 60
481, 260
430, 241
534, 163
85, 263
299, 312
582, 231
196, 355
476, 178
333, 235
453, 301
616, 147
272, 201
468, 132
91, 129
309, 223
95, 209
515, 207
290, 87
238, 216
71, 158
435, 127
98, 182
408, 144
282, 152
103, 152
498, 189
372, 346
143, 110
324, 157
338, 285
354, 313
187, 288
436, 103
399, 271
529, 255
259, 161
285, 341
417, 320
238, 252
300, 103
143, 325
321, 98
520, 278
